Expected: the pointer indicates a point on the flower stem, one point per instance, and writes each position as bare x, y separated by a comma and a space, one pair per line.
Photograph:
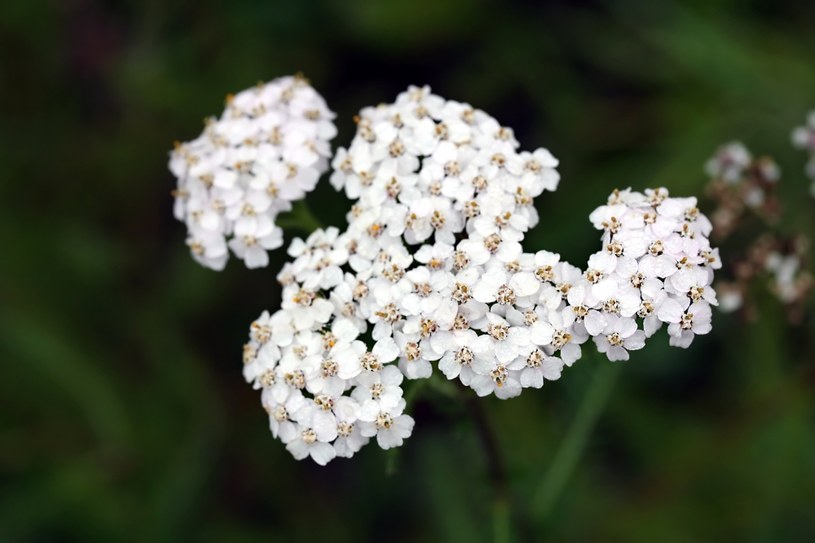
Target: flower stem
419, 388
501, 527
300, 217
500, 522
571, 448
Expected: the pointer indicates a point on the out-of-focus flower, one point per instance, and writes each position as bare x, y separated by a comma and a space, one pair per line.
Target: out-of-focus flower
738, 182
803, 137
730, 162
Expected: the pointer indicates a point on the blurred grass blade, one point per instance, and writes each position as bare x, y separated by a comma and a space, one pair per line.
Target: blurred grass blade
571, 448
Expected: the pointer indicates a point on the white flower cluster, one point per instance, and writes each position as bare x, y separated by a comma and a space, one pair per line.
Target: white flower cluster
803, 137
269, 148
656, 264
430, 272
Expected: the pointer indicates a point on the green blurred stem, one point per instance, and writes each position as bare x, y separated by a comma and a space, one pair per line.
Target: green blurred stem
435, 384
419, 388
300, 217
571, 448
500, 521
501, 528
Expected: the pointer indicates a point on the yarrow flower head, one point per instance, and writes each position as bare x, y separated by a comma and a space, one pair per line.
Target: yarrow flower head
431, 269
267, 149
656, 269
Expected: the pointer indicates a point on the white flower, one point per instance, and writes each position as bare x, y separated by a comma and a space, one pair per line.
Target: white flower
416, 356
349, 438
693, 283
496, 285
803, 137
686, 320
541, 332
619, 336
493, 376
506, 342
730, 162
392, 431
281, 404
731, 297
349, 360
460, 350
253, 239
537, 367
208, 248
378, 391
305, 307
305, 443
787, 280
318, 415
567, 338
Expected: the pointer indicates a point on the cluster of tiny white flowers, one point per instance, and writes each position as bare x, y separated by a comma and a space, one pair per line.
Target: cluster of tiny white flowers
656, 266
268, 148
430, 272
803, 137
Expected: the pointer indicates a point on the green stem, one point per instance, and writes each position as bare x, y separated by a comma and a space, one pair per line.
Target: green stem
300, 217
435, 384
500, 521
572, 447
501, 528
414, 392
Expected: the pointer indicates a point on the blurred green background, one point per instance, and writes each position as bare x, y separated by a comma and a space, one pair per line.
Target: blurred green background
123, 412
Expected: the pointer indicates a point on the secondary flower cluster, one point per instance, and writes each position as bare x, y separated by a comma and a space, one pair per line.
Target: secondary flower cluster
656, 264
803, 137
430, 273
738, 182
269, 148
781, 264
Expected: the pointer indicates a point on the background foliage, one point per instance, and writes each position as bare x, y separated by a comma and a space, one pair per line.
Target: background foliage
123, 413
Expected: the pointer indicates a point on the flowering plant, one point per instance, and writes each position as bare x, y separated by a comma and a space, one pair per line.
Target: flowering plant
430, 271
